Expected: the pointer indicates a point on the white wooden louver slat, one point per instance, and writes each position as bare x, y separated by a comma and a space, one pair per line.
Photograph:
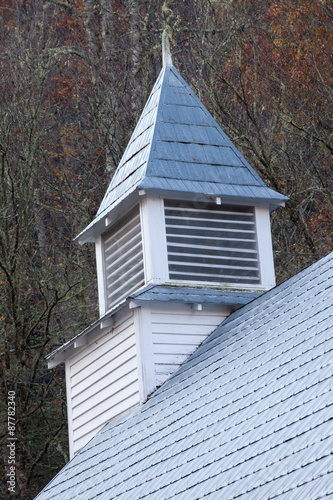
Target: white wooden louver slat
218, 257
133, 250
214, 244
215, 249
122, 292
120, 280
237, 230
123, 257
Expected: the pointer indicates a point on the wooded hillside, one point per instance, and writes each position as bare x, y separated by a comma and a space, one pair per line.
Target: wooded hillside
75, 75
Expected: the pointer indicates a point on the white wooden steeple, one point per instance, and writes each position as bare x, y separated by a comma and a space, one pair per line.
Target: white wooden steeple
198, 213
182, 239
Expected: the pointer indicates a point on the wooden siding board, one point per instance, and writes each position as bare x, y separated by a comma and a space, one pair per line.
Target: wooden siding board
177, 339
108, 361
83, 434
188, 318
111, 375
182, 328
177, 334
119, 334
102, 397
103, 380
129, 400
175, 359
102, 412
173, 349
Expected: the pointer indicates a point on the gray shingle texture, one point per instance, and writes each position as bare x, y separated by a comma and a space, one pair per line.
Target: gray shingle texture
198, 295
177, 146
249, 415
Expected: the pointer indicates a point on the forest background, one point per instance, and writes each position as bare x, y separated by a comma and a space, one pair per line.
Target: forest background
75, 75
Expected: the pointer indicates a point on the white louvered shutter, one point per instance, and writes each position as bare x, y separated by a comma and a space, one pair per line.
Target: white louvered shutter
212, 243
123, 256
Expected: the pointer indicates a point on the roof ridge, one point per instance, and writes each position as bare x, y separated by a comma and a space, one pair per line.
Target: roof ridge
166, 69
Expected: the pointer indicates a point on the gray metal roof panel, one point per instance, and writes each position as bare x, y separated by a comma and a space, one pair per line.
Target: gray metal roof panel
176, 127
206, 154
190, 171
191, 133
195, 295
240, 192
250, 413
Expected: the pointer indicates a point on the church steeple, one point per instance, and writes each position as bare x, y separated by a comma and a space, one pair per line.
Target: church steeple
195, 210
182, 239
177, 147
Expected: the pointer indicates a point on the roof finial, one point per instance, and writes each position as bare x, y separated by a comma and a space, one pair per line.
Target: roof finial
166, 54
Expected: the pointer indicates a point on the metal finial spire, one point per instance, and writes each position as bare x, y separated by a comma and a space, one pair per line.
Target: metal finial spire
166, 54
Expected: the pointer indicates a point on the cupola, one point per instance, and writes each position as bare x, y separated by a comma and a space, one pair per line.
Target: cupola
182, 239
184, 206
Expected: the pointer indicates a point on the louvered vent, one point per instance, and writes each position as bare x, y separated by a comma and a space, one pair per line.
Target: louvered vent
123, 258
214, 243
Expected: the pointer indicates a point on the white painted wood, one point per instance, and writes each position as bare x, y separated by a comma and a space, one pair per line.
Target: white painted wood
106, 323
161, 339
265, 248
215, 243
102, 379
133, 304
56, 360
81, 341
100, 400
170, 350
117, 371
69, 409
102, 413
154, 240
84, 434
99, 250
122, 330
177, 331
107, 352
145, 350
123, 258
171, 359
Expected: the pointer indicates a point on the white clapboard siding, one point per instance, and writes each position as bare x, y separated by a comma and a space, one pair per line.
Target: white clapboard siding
99, 366
103, 380
81, 439
123, 258
103, 400
127, 368
212, 243
177, 334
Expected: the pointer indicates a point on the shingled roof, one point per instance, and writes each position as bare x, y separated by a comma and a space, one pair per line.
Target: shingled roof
248, 415
177, 146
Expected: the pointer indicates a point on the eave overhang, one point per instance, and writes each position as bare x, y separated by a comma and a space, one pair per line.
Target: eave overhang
197, 296
175, 188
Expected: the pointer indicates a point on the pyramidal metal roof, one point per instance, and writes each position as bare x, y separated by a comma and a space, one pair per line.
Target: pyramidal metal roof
248, 415
177, 146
